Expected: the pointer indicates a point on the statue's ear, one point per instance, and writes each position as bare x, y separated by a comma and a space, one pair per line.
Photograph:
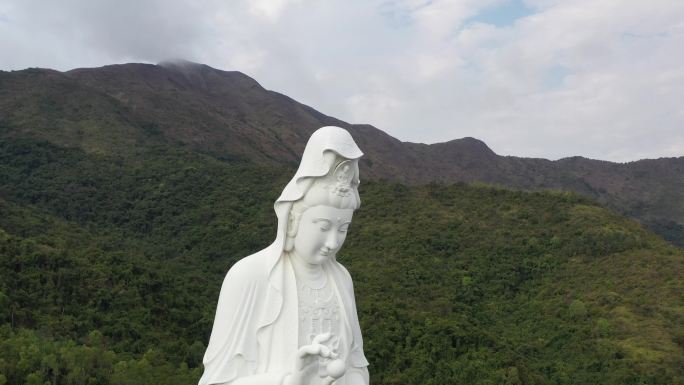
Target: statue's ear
289, 244
292, 224
291, 233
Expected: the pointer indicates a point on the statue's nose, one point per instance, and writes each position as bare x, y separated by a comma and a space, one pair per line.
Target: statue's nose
331, 241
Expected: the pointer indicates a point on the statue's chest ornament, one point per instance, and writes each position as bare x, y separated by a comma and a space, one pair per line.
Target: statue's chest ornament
319, 312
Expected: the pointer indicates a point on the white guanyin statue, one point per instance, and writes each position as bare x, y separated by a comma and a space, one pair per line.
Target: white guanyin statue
287, 314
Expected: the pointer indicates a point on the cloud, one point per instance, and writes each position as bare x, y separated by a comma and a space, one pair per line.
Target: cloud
269, 9
544, 78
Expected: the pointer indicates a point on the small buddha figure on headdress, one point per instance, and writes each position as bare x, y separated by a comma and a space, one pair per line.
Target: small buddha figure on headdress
287, 314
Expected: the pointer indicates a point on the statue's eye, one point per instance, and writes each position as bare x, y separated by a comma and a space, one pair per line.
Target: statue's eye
344, 229
324, 225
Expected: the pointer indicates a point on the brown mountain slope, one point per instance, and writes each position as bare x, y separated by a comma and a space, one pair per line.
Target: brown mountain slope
228, 114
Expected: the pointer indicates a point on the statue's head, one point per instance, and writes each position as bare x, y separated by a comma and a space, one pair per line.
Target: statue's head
319, 221
319, 199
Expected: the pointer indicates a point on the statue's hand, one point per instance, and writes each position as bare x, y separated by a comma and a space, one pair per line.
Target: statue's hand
335, 370
306, 362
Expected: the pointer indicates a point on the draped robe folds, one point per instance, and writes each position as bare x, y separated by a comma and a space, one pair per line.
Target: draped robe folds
258, 312
255, 333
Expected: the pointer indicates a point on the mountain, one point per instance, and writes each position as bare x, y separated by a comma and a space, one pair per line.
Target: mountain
229, 115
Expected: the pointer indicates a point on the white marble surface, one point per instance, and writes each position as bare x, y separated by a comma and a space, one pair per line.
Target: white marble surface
287, 314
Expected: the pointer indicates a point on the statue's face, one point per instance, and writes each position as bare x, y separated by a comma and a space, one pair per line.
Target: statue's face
321, 233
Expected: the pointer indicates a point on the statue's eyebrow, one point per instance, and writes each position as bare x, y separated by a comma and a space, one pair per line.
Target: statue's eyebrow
321, 219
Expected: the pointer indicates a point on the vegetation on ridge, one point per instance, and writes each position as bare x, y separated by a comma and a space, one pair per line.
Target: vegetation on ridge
110, 268
116, 108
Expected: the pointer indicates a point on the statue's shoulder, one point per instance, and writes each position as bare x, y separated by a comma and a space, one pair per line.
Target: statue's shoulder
250, 268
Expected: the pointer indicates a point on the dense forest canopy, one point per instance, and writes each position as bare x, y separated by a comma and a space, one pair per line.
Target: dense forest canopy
111, 264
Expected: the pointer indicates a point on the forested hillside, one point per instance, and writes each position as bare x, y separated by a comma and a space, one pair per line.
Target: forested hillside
111, 264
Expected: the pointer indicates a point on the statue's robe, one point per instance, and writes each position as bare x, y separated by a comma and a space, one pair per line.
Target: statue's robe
255, 335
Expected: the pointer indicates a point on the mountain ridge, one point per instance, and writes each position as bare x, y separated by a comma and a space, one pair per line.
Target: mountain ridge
229, 114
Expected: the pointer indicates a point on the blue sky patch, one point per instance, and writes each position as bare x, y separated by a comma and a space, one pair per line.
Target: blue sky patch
502, 15
553, 78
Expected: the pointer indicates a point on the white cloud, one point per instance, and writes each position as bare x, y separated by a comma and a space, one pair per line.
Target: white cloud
270, 9
602, 79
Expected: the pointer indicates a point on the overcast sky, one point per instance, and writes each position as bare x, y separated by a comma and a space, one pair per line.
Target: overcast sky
537, 78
